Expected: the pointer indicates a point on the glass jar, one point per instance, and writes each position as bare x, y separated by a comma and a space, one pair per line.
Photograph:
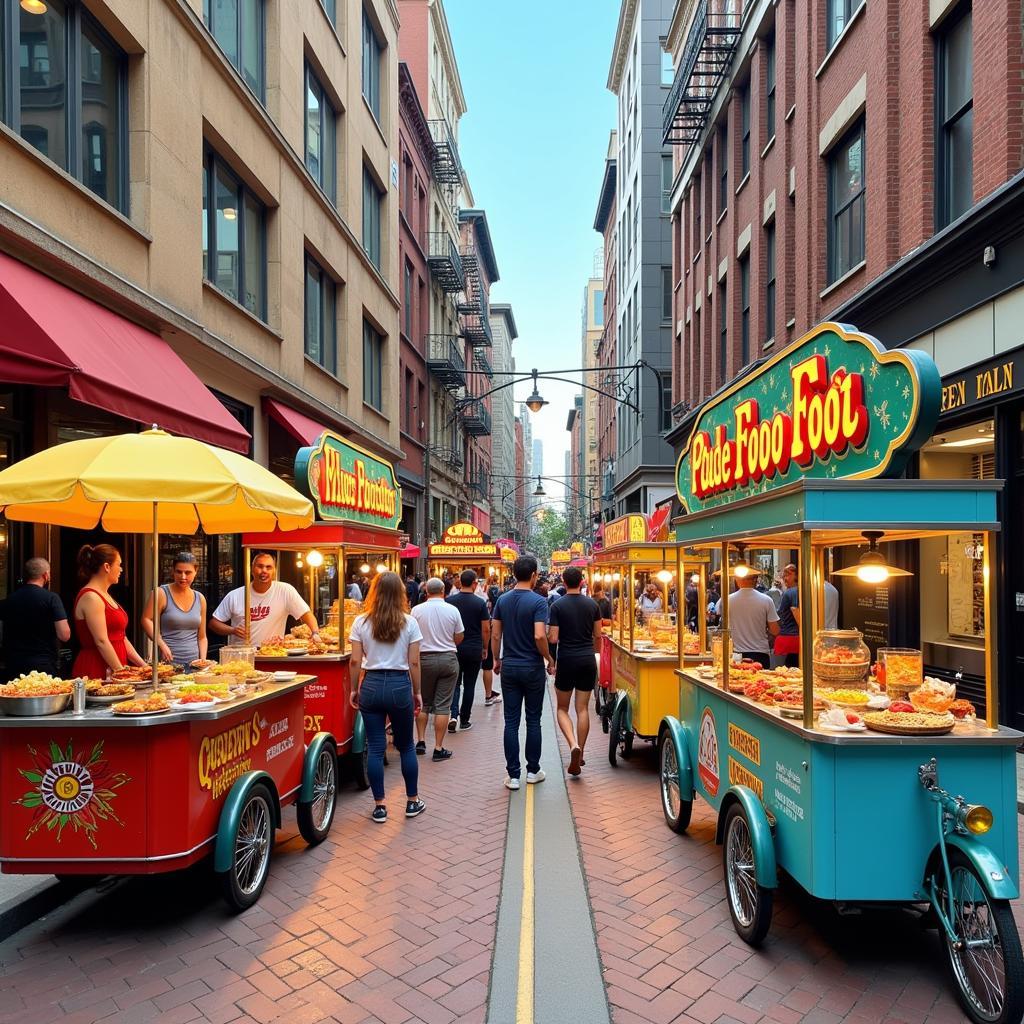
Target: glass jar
661, 628
841, 657
234, 653
716, 650
902, 669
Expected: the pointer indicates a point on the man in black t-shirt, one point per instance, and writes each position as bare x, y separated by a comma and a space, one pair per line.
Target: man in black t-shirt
575, 625
34, 620
470, 652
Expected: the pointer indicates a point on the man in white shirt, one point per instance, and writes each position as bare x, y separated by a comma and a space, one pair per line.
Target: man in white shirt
752, 619
831, 606
270, 603
442, 629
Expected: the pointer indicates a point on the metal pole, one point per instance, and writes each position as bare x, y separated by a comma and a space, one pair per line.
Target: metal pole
156, 606
807, 616
702, 606
680, 606
726, 634
248, 589
991, 633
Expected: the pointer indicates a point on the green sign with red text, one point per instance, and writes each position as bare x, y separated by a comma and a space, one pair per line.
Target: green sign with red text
833, 405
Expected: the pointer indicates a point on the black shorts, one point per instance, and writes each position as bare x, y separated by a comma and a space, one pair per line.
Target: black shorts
487, 665
576, 673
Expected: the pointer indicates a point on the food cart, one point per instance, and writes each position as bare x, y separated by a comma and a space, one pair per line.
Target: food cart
462, 546
856, 808
639, 659
357, 502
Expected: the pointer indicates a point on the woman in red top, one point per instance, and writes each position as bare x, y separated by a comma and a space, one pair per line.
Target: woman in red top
100, 621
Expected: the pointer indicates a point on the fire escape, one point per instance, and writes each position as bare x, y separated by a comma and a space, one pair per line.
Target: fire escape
445, 360
710, 46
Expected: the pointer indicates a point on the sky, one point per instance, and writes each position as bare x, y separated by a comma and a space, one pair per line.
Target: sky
533, 143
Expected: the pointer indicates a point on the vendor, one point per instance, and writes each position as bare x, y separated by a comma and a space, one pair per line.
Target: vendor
182, 612
752, 620
270, 604
787, 643
100, 622
649, 602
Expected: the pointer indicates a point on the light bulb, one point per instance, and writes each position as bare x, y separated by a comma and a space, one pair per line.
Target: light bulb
616, 576
663, 576
382, 567
315, 559
872, 573
364, 568
33, 6
229, 213
298, 562
695, 579
742, 570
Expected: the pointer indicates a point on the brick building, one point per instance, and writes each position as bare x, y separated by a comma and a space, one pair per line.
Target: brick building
519, 519
829, 164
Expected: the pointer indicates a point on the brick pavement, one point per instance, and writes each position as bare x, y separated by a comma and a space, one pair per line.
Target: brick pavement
667, 945
389, 924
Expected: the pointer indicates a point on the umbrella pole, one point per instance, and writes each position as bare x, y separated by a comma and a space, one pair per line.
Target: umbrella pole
248, 587
156, 603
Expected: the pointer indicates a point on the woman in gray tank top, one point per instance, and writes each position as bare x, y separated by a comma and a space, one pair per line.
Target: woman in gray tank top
182, 613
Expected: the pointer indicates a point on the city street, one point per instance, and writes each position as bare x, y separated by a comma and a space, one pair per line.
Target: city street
398, 923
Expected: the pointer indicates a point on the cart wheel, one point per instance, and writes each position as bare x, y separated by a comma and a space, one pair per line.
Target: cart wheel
750, 905
604, 708
620, 739
360, 764
988, 971
677, 810
244, 880
316, 817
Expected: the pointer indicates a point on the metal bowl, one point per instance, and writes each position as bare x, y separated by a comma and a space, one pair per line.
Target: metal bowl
30, 706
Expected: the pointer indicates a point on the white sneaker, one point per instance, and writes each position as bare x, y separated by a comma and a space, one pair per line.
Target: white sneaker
511, 783
537, 776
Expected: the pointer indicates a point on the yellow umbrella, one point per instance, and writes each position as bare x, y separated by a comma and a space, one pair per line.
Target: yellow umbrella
150, 482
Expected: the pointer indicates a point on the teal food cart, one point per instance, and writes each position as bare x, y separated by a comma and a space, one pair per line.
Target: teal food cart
926, 820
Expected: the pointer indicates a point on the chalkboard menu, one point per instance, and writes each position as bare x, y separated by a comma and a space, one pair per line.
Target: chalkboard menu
866, 608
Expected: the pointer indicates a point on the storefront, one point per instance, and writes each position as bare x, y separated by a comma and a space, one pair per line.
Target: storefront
464, 546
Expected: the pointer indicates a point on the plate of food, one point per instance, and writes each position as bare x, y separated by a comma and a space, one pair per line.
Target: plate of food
194, 702
846, 698
201, 663
284, 677
840, 720
899, 722
298, 652
35, 693
154, 704
99, 693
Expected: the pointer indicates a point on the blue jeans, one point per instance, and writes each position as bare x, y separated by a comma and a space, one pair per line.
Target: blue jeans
522, 684
469, 669
383, 695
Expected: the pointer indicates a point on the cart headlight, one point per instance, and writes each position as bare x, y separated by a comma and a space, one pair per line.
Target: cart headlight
976, 818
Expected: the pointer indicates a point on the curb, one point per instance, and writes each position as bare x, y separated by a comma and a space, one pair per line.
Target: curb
22, 910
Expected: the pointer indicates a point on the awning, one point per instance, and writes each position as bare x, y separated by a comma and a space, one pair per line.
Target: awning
409, 551
298, 424
51, 336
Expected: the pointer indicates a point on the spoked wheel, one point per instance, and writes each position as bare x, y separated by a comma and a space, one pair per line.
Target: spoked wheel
620, 737
750, 905
604, 708
244, 880
361, 767
985, 962
315, 818
676, 809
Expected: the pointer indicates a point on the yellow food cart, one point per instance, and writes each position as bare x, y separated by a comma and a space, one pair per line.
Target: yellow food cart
462, 546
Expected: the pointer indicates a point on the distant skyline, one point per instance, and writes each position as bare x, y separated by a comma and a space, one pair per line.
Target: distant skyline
533, 144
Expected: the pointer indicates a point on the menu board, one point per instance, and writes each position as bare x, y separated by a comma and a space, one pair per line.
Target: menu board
867, 609
964, 585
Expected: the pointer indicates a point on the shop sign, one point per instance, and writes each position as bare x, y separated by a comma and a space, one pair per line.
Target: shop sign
631, 529
980, 383
747, 745
740, 776
707, 753
561, 557
462, 539
349, 484
577, 550
833, 405
226, 756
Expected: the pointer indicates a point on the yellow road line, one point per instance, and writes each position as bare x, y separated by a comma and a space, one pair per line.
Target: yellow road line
524, 995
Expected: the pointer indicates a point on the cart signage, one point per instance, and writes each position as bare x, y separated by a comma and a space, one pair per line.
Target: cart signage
707, 753
226, 756
740, 776
631, 529
347, 483
462, 539
745, 744
833, 404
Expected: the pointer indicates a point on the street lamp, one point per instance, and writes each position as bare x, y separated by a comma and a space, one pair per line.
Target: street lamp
535, 402
539, 492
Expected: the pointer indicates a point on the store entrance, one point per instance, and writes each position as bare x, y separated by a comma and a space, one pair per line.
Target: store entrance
1012, 640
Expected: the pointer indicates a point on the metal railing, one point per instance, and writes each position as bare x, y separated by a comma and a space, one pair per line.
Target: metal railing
476, 417
445, 261
447, 165
446, 361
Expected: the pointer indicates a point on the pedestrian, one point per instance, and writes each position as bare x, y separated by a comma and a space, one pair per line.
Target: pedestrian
831, 606
604, 604
519, 643
649, 602
752, 620
182, 612
35, 622
787, 643
476, 621
354, 592
775, 592
576, 628
412, 589
442, 629
386, 654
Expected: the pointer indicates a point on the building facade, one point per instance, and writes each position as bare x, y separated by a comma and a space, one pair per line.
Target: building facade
852, 184
213, 203
518, 532
503, 414
643, 474
577, 501
591, 329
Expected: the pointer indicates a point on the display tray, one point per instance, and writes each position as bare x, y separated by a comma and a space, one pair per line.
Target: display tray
899, 731
105, 701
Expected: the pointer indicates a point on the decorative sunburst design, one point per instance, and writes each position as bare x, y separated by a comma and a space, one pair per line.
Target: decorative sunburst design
877, 455
827, 350
905, 392
882, 412
874, 370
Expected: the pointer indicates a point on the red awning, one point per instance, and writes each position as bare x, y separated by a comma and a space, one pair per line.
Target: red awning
409, 551
51, 336
298, 424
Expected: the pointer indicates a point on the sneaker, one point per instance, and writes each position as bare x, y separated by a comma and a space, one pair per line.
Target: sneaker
463, 726
452, 725
575, 759
511, 783
414, 807
380, 815
495, 698
442, 754
537, 776
421, 747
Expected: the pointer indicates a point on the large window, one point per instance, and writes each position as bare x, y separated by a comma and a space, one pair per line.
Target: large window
769, 277
838, 16
846, 205
372, 54
769, 89
407, 298
723, 330
598, 307
745, 309
954, 94
744, 131
63, 88
237, 25
373, 366
372, 202
321, 136
667, 71
723, 168
321, 317
666, 293
666, 182
331, 7
234, 237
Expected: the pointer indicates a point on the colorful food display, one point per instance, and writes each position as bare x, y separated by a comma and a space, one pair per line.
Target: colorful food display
36, 684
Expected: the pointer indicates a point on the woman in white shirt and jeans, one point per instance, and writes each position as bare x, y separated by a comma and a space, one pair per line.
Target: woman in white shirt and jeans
386, 684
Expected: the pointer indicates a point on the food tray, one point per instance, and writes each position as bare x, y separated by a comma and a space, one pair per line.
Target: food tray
22, 707
139, 714
900, 730
103, 701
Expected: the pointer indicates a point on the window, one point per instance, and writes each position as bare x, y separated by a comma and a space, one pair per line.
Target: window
234, 237
769, 89
373, 367
745, 131
667, 71
666, 182
63, 88
666, 402
407, 298
321, 137
723, 169
723, 329
745, 309
769, 277
372, 201
666, 293
237, 25
838, 17
698, 201
372, 51
954, 93
598, 300
331, 7
846, 205
321, 317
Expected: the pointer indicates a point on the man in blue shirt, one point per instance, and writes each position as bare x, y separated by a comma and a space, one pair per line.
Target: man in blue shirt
520, 646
